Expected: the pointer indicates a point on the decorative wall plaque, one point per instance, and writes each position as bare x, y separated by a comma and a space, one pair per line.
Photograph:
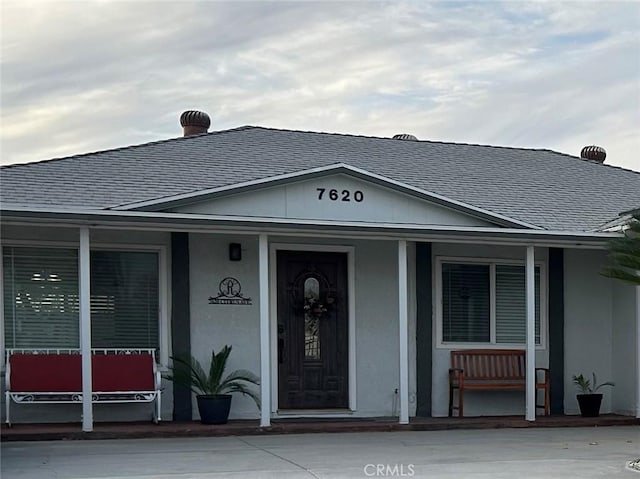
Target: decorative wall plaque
229, 292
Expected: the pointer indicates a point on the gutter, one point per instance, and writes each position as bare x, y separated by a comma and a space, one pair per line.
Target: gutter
297, 227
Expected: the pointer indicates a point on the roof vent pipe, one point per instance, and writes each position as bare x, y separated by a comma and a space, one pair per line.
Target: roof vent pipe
404, 136
194, 122
593, 152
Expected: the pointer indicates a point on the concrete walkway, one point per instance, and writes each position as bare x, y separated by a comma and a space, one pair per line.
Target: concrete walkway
175, 429
602, 452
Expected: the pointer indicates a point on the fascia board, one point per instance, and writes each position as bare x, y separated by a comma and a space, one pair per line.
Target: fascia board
179, 221
210, 193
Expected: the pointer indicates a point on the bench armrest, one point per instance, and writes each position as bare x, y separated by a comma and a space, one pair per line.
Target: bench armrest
456, 374
545, 375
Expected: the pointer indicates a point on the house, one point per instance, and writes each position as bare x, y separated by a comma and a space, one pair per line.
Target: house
343, 269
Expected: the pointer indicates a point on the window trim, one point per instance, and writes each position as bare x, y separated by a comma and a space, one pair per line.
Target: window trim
163, 285
492, 262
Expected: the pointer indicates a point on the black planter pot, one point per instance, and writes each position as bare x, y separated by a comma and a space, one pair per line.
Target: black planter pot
214, 409
589, 404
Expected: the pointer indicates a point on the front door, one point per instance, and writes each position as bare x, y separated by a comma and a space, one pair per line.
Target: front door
312, 330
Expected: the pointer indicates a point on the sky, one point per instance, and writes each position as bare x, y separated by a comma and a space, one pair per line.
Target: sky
82, 76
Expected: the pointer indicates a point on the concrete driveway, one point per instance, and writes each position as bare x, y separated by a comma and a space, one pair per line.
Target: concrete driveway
499, 453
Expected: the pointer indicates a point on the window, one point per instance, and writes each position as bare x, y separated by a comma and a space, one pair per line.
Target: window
40, 297
465, 303
311, 320
41, 307
511, 304
484, 302
124, 299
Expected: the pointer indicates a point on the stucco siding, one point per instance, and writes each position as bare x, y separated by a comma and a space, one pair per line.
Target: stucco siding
377, 340
303, 200
214, 325
376, 305
624, 349
588, 323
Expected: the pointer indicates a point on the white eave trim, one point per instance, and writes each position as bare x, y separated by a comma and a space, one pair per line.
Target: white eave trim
619, 224
206, 194
278, 226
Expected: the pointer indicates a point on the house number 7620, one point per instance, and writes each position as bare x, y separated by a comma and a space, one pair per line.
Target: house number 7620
343, 195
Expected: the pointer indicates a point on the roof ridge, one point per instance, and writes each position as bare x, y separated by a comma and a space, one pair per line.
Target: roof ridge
388, 138
128, 147
353, 135
438, 142
591, 161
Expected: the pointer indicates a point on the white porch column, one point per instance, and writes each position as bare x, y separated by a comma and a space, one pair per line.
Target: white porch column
404, 332
265, 368
531, 334
85, 327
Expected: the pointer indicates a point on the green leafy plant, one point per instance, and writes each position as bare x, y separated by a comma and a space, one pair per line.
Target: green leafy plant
625, 253
586, 386
190, 374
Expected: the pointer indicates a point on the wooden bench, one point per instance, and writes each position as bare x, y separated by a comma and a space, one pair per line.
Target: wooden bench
491, 370
55, 377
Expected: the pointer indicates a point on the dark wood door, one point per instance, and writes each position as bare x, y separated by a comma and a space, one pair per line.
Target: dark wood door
313, 346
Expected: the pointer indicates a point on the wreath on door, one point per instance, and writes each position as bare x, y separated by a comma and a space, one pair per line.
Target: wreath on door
313, 306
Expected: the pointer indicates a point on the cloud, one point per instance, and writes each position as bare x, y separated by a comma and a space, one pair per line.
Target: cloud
79, 77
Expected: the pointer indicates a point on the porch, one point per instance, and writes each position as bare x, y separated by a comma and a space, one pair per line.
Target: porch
392, 292
176, 429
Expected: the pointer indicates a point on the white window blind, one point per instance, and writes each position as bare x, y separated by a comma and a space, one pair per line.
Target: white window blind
511, 309
124, 299
484, 302
40, 297
466, 303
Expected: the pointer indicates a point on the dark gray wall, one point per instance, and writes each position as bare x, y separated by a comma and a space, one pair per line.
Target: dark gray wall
556, 329
424, 340
180, 318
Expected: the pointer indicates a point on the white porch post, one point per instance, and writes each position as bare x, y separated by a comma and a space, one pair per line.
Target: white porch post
531, 335
265, 368
85, 327
404, 332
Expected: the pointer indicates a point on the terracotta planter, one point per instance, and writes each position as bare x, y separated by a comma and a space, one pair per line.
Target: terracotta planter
589, 404
214, 409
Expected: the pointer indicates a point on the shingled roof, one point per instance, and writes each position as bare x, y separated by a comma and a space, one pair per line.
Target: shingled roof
551, 190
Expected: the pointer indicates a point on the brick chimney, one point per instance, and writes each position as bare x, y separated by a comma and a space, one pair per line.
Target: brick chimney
194, 122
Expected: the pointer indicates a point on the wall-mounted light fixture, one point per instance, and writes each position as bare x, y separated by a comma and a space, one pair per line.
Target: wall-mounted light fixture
235, 251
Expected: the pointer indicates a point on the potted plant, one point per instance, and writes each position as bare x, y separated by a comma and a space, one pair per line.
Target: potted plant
589, 400
213, 389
